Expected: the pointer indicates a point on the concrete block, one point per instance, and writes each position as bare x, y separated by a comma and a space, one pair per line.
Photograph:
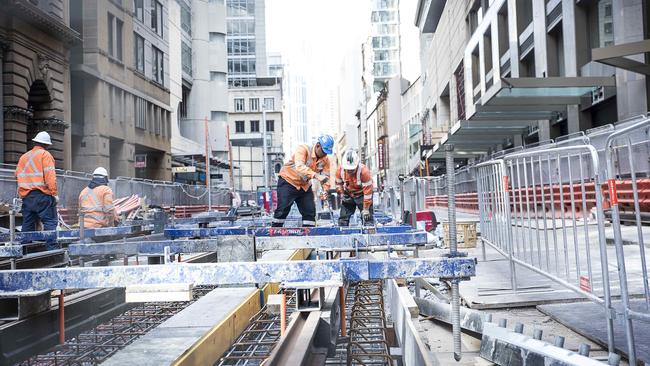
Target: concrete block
408, 302
273, 304
159, 293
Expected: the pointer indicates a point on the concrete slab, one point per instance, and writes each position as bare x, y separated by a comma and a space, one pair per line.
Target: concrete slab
170, 340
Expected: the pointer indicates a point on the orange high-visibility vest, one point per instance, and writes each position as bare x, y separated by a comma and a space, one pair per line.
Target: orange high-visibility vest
303, 166
356, 184
97, 206
35, 170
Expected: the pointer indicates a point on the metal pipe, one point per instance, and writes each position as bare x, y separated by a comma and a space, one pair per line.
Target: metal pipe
82, 226
342, 311
453, 249
207, 163
265, 157
414, 219
12, 226
283, 315
62, 317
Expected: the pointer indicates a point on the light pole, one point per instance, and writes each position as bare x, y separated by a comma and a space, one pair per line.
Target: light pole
264, 154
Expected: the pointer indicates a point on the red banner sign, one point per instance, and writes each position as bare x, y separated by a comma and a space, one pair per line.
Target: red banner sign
381, 155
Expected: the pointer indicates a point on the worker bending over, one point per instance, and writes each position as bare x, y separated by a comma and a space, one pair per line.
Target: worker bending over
37, 187
294, 183
354, 184
96, 202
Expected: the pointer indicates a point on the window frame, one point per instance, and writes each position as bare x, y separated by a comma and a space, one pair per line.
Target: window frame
255, 125
239, 124
254, 107
138, 55
241, 102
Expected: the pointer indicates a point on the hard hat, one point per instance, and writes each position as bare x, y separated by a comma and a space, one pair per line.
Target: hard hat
350, 160
101, 171
326, 143
43, 138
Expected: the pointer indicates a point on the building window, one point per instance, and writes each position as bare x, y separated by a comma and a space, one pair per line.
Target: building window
139, 9
157, 64
186, 58
255, 126
186, 19
138, 50
270, 125
239, 127
254, 104
140, 112
114, 37
157, 17
607, 28
184, 102
239, 104
269, 104
240, 8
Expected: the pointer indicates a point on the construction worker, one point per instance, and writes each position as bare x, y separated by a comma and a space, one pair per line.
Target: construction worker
294, 182
354, 185
96, 201
36, 180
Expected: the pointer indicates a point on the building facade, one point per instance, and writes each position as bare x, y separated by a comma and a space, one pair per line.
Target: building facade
120, 88
294, 91
207, 96
247, 130
534, 70
246, 42
35, 42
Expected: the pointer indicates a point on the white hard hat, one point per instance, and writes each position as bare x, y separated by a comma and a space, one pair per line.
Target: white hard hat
350, 160
101, 171
43, 138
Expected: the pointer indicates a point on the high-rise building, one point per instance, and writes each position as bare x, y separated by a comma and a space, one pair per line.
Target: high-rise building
246, 41
385, 42
120, 87
276, 67
35, 39
294, 92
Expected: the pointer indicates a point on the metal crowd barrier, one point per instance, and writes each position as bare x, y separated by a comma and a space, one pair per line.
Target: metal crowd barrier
544, 208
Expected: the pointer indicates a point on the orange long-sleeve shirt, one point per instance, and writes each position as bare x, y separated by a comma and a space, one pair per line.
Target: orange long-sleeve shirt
35, 170
356, 184
303, 166
97, 205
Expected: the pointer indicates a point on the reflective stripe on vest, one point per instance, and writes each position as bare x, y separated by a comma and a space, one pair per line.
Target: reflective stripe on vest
97, 208
30, 163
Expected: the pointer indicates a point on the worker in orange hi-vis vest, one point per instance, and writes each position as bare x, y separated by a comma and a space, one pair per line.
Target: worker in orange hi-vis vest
354, 185
96, 201
36, 180
294, 183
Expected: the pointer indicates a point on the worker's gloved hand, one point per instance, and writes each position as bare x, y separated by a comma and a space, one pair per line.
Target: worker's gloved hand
365, 215
322, 178
56, 199
323, 196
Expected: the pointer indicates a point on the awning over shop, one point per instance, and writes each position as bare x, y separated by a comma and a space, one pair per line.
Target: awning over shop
543, 92
617, 56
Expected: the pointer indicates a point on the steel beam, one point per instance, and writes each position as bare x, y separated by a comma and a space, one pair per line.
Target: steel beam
504, 347
317, 273
281, 231
74, 234
331, 242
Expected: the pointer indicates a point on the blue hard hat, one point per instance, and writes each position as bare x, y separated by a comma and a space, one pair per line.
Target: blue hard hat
326, 143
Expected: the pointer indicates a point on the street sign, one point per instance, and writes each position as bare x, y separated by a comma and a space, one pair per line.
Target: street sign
140, 160
184, 169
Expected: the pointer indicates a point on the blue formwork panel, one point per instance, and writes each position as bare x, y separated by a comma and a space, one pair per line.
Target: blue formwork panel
315, 273
349, 241
73, 234
173, 233
11, 251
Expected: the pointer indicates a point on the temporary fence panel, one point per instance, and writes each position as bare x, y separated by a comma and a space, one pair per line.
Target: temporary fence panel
529, 207
627, 192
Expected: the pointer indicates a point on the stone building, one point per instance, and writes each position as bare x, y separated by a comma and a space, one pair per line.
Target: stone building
35, 41
120, 87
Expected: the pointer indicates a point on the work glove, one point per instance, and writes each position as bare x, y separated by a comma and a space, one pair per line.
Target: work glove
365, 215
56, 199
